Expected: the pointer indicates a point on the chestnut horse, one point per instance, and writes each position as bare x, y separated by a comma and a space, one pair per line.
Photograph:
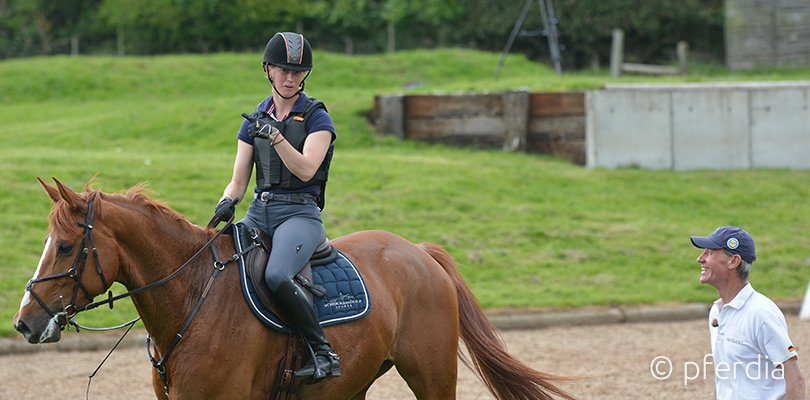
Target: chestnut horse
421, 307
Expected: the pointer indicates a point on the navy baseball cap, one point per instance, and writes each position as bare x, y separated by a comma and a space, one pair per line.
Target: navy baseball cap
731, 238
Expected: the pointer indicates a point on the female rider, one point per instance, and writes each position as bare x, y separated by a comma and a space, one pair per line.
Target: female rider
289, 139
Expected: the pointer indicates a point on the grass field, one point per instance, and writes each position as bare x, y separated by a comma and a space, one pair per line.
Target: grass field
529, 231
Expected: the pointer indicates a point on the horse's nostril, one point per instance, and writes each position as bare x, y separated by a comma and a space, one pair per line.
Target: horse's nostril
22, 328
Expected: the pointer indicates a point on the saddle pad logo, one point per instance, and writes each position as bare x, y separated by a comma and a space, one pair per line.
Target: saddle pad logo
342, 301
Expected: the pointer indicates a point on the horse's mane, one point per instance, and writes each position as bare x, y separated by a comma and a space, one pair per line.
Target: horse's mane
63, 217
142, 196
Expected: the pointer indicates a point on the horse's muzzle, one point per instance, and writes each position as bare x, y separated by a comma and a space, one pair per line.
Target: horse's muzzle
51, 333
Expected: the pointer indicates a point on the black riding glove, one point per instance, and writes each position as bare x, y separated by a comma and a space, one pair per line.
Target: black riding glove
224, 210
260, 125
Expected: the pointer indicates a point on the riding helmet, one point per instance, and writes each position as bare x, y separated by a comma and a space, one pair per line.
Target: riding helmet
288, 50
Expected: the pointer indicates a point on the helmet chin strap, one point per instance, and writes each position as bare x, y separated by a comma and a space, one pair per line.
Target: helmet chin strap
300, 87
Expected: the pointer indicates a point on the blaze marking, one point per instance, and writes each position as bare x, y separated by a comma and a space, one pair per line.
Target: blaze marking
27, 297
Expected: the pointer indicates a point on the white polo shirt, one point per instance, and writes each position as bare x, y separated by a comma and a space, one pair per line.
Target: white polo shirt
749, 340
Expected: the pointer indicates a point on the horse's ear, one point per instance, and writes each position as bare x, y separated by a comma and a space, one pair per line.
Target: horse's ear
72, 198
53, 192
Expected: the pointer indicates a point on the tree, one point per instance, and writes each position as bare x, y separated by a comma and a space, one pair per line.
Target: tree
23, 23
29, 27
155, 24
73, 18
434, 20
353, 20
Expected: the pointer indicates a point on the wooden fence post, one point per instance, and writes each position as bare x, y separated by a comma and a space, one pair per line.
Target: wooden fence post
515, 120
616, 53
391, 118
683, 55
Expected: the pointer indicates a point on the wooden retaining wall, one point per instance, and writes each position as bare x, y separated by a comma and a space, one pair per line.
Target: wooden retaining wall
545, 123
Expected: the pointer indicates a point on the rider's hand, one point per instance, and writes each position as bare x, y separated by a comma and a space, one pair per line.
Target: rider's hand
260, 125
224, 210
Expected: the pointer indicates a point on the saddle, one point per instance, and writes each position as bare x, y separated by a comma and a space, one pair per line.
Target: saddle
331, 278
256, 262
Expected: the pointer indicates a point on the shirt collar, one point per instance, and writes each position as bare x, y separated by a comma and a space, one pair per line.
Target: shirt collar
739, 300
297, 108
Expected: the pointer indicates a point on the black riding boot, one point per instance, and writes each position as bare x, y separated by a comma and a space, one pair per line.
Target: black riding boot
300, 308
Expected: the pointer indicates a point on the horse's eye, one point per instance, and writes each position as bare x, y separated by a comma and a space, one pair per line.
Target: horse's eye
64, 248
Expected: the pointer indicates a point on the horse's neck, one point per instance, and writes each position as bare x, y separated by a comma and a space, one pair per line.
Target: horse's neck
152, 249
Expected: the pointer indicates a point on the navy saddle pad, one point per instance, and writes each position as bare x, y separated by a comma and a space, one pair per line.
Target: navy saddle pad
346, 296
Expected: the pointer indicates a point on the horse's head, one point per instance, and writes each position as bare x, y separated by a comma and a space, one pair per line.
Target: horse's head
71, 270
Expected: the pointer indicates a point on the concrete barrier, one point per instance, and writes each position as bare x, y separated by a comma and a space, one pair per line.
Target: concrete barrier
685, 126
682, 127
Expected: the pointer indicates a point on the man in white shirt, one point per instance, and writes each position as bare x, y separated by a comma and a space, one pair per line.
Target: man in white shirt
753, 355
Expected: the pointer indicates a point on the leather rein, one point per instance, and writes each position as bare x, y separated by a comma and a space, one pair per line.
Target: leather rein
69, 311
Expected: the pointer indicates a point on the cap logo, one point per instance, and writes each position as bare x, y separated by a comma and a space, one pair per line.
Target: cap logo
732, 243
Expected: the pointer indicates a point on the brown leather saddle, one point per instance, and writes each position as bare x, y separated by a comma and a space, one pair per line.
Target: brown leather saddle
256, 262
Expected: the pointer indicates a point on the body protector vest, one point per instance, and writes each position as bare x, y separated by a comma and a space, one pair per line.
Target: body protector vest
271, 173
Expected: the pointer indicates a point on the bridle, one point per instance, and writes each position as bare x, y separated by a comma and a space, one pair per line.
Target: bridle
75, 272
69, 311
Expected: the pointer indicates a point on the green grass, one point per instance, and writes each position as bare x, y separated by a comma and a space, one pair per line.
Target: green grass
528, 231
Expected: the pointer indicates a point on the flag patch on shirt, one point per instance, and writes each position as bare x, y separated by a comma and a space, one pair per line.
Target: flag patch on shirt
791, 348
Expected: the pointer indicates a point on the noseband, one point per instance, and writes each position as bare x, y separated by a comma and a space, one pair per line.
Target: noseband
75, 272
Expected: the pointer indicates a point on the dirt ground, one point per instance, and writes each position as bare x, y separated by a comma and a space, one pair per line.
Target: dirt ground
614, 362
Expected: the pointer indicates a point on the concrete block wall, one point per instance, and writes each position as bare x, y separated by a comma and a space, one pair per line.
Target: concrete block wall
767, 33
699, 126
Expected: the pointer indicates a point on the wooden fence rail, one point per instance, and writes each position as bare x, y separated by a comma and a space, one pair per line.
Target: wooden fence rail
617, 64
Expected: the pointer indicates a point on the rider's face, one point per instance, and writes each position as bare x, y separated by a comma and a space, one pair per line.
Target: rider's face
286, 81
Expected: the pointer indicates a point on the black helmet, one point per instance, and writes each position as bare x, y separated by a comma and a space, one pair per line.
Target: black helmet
288, 50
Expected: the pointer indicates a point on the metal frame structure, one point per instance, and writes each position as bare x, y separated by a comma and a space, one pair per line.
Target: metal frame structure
550, 22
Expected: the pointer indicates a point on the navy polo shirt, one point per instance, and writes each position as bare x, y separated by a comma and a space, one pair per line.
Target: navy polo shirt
319, 120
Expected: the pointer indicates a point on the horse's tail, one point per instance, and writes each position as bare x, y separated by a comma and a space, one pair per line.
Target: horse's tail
504, 375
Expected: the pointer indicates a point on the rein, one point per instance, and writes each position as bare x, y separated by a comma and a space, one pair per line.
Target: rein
219, 266
67, 314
